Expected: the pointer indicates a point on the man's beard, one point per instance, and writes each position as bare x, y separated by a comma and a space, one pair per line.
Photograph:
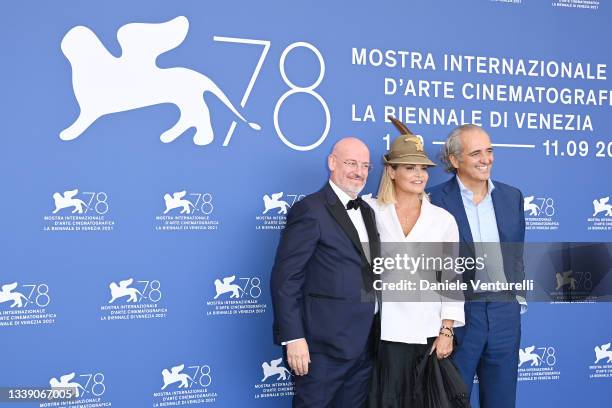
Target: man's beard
354, 190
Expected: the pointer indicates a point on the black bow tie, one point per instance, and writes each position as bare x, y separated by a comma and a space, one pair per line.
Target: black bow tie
354, 204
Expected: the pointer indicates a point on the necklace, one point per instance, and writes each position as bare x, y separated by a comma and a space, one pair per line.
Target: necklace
408, 220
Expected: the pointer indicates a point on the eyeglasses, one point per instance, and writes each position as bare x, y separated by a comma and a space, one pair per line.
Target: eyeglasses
353, 165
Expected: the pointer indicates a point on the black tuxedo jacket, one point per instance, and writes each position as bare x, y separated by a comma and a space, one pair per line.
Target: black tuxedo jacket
321, 282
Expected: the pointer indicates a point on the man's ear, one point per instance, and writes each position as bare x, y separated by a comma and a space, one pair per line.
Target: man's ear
331, 162
454, 161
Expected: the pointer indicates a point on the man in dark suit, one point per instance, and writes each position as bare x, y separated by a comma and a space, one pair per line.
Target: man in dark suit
325, 310
491, 221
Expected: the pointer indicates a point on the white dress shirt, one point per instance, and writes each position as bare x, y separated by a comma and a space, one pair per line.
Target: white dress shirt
483, 226
414, 322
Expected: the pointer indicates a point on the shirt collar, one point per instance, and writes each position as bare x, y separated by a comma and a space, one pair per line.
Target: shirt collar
344, 198
466, 192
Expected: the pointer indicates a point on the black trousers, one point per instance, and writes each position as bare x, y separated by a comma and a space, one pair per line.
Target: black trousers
338, 383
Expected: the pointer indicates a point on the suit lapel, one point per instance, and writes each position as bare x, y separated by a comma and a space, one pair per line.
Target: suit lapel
367, 273
339, 213
454, 204
370, 224
498, 203
337, 210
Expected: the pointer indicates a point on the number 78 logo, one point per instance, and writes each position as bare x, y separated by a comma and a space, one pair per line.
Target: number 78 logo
293, 89
104, 84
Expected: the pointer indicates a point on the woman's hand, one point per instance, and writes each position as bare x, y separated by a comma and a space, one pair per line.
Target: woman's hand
443, 346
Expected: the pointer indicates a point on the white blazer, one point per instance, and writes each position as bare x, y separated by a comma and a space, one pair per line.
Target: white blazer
414, 322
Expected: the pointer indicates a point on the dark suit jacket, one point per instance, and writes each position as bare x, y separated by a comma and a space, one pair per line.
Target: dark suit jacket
321, 282
510, 217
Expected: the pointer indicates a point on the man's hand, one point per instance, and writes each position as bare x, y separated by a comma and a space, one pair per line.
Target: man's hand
298, 356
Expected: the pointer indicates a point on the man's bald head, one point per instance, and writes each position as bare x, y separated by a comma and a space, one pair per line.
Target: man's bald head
347, 165
348, 145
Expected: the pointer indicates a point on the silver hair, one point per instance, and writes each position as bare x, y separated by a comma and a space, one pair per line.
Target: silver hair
452, 146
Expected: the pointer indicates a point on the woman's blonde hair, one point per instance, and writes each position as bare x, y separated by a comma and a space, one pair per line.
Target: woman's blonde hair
386, 188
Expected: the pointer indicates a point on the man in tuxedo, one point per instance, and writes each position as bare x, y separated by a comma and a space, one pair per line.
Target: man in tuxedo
491, 221
325, 310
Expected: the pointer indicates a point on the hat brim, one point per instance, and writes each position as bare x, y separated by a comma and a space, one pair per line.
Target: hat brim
409, 159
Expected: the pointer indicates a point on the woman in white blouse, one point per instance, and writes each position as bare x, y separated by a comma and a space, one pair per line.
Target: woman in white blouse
410, 329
